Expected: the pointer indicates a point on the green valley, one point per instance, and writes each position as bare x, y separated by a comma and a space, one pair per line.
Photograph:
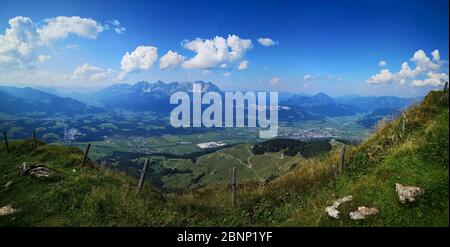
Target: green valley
274, 189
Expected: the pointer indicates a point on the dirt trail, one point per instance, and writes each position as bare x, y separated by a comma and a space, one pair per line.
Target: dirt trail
248, 165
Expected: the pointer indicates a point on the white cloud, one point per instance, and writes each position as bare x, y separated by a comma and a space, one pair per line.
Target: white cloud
406, 71
212, 53
19, 43
170, 60
422, 61
120, 30
384, 76
22, 41
60, 27
274, 81
89, 72
436, 56
238, 47
382, 64
427, 72
141, 59
116, 26
226, 74
309, 77
267, 42
243, 65
433, 79
312, 79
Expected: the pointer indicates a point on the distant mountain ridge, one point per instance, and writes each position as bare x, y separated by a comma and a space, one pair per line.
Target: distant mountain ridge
372, 119
145, 96
322, 105
142, 96
372, 103
27, 100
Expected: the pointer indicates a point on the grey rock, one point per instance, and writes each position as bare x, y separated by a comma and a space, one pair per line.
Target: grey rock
333, 211
362, 213
36, 170
6, 210
407, 193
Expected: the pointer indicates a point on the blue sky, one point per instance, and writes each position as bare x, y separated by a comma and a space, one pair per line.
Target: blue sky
336, 47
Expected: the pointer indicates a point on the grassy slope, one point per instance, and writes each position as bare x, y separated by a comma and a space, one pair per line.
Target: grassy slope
411, 153
217, 166
81, 196
416, 154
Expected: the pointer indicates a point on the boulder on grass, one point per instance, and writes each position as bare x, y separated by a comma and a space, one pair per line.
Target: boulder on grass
333, 211
407, 193
362, 213
35, 170
6, 210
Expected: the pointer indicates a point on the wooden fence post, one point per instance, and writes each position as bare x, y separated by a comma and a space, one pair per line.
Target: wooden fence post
6, 142
86, 154
444, 92
335, 171
342, 161
144, 171
34, 141
233, 188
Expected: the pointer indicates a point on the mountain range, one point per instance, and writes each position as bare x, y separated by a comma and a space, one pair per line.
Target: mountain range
145, 96
372, 103
28, 100
322, 105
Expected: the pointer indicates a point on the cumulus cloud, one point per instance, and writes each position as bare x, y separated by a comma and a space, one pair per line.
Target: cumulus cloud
382, 64
267, 42
93, 73
436, 56
433, 79
384, 76
423, 62
212, 53
226, 74
60, 27
141, 59
170, 60
243, 65
19, 43
427, 72
23, 39
407, 73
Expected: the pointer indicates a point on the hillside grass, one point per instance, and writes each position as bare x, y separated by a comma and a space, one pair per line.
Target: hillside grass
411, 150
